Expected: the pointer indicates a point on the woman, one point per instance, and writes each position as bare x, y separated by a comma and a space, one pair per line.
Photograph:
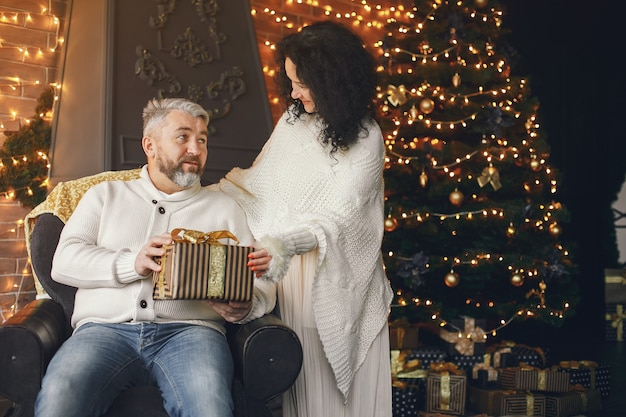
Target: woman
315, 197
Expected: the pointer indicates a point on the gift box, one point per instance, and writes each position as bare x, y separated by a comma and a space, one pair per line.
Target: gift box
465, 336
615, 286
501, 358
466, 363
407, 396
197, 266
533, 379
614, 322
403, 335
427, 355
499, 402
483, 375
572, 403
533, 356
446, 388
408, 389
588, 374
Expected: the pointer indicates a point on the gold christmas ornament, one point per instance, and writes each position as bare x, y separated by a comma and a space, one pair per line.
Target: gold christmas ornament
427, 105
451, 279
555, 229
390, 224
423, 179
456, 80
517, 279
456, 197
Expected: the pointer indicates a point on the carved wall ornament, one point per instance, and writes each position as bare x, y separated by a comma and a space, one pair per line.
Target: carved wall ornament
198, 44
151, 70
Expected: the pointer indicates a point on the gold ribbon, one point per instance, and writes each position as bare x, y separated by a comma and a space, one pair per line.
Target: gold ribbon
542, 379
401, 368
621, 280
449, 367
530, 404
617, 321
194, 236
445, 390
490, 175
492, 374
464, 343
497, 356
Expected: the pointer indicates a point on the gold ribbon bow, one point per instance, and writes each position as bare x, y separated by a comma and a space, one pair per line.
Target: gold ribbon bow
397, 95
490, 175
448, 367
194, 236
464, 342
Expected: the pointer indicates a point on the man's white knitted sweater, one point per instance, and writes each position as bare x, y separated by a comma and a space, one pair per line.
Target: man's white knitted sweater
110, 224
293, 184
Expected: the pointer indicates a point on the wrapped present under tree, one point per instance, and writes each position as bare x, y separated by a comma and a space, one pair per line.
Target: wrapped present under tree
446, 389
501, 402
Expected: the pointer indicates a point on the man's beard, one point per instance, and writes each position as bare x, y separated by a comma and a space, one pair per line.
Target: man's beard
175, 172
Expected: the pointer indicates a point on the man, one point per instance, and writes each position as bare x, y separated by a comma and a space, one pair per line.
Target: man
108, 249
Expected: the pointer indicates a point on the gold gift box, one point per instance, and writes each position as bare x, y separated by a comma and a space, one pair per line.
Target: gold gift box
197, 266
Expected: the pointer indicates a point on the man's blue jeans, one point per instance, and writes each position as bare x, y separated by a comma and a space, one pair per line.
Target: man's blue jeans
191, 365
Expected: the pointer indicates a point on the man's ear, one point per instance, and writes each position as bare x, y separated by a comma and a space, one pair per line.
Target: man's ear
147, 144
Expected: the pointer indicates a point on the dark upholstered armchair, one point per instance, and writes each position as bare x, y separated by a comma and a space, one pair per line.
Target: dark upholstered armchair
267, 354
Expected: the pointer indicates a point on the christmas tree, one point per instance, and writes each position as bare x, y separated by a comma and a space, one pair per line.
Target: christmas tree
473, 224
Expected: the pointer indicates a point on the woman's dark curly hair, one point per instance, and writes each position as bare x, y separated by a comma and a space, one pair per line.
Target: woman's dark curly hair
332, 62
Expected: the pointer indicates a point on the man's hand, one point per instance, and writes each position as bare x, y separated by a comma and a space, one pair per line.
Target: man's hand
232, 311
145, 261
259, 262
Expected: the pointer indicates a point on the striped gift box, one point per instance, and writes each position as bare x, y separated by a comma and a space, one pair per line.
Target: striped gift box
446, 389
534, 379
572, 403
499, 402
202, 268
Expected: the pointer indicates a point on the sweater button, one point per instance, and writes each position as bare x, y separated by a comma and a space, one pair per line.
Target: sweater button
154, 201
161, 210
143, 304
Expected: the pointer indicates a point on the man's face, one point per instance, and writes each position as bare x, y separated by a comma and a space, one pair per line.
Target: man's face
180, 149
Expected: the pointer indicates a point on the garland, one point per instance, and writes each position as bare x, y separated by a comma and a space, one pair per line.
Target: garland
24, 164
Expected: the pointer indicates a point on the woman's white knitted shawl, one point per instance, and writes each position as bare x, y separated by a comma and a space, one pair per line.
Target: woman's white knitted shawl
294, 182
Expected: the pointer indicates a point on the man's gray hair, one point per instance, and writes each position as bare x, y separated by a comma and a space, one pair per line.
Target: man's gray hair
156, 110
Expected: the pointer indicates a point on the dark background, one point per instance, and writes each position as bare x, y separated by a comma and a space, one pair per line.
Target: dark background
572, 55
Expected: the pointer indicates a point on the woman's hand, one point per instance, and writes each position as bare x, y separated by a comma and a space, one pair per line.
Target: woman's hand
259, 262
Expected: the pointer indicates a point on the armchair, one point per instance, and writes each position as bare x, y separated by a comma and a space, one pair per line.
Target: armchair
267, 354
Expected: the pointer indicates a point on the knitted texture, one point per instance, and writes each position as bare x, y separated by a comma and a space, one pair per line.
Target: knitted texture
63, 199
294, 182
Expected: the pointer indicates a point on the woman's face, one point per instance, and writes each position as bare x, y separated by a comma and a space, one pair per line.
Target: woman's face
299, 91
